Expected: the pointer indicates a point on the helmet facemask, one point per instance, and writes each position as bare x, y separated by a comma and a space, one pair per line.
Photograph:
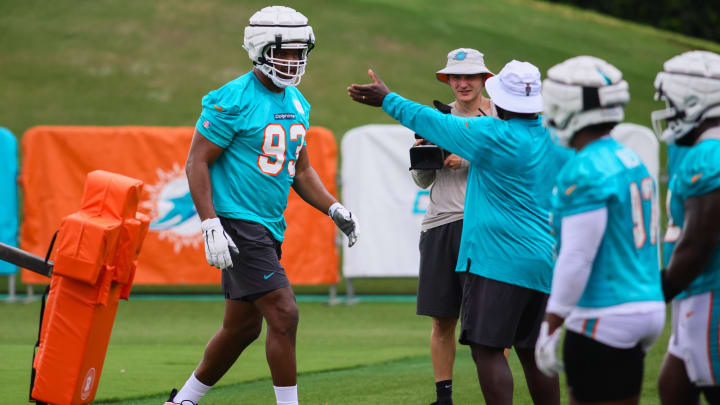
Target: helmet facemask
690, 88
284, 72
667, 123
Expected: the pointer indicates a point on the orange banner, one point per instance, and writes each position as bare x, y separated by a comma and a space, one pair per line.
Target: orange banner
56, 160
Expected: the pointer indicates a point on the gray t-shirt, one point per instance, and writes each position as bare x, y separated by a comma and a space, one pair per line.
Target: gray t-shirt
447, 191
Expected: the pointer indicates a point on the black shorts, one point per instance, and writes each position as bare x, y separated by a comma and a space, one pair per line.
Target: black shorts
439, 286
500, 315
600, 373
256, 269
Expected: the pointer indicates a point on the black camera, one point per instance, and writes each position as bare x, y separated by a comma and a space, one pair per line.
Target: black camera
427, 155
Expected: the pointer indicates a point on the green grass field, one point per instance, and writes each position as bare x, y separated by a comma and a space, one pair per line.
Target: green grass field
139, 62
370, 353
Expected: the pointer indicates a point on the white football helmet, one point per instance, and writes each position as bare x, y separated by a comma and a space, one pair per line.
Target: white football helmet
278, 27
690, 87
580, 92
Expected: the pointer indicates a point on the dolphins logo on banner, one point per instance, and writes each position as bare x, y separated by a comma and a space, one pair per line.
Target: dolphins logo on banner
172, 213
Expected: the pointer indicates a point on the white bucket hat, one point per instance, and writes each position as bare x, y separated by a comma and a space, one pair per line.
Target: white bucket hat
516, 88
463, 61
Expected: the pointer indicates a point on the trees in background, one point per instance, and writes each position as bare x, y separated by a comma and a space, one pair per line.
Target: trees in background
697, 18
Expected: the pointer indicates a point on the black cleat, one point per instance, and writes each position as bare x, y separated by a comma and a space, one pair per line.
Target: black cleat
172, 398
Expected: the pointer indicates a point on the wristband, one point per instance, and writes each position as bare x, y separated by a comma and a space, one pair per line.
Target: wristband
333, 208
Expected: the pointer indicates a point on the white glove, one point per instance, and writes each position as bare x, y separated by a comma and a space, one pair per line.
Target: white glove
344, 220
217, 244
546, 351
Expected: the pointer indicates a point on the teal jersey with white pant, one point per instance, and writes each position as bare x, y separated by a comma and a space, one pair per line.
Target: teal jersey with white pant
262, 133
605, 174
513, 164
697, 174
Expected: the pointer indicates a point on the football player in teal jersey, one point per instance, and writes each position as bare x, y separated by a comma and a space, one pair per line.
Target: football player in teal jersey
690, 86
606, 282
247, 151
506, 246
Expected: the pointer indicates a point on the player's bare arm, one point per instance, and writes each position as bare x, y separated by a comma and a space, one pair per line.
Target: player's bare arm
701, 231
371, 94
308, 186
197, 167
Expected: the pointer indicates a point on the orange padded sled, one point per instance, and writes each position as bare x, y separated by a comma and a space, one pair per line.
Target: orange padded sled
95, 261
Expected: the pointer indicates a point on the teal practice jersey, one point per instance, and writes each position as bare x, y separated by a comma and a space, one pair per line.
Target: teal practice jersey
675, 155
262, 133
607, 174
513, 165
697, 174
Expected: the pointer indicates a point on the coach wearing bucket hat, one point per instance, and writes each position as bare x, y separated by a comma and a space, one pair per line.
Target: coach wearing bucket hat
506, 246
439, 294
464, 61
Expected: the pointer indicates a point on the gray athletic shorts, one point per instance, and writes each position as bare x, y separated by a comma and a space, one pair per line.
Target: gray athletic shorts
256, 269
500, 315
439, 286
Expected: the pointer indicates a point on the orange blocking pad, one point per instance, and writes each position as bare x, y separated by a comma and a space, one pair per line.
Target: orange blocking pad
96, 254
57, 158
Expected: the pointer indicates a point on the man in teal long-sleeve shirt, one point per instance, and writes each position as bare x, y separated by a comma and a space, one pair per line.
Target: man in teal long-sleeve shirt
506, 248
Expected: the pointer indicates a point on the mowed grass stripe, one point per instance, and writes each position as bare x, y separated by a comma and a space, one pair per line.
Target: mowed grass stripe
360, 354
401, 381
156, 344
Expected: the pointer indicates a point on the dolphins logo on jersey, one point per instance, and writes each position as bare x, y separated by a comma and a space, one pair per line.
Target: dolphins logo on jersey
172, 212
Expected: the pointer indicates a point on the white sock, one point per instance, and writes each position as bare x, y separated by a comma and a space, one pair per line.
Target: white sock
193, 390
286, 395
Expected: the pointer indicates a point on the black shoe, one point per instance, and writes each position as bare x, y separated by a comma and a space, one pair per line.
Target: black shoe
172, 398
443, 402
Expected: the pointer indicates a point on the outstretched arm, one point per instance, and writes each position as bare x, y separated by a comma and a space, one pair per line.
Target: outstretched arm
699, 239
458, 135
